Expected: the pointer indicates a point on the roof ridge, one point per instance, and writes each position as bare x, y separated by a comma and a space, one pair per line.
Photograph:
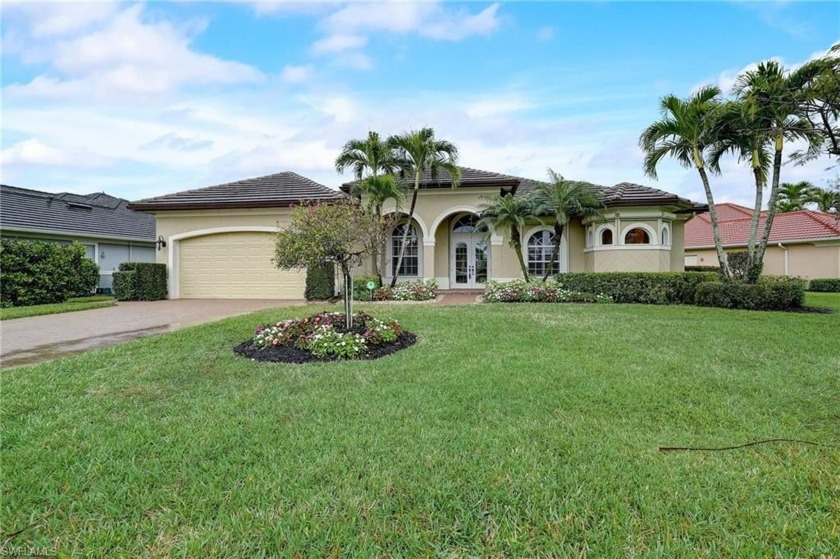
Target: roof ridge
823, 218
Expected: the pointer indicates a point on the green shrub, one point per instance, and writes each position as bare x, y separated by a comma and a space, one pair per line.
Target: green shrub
360, 290
714, 269
417, 290
549, 291
653, 288
42, 272
320, 282
771, 293
149, 281
738, 263
825, 285
124, 285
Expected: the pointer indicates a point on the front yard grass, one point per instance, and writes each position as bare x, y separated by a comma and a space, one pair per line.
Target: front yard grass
527, 430
71, 305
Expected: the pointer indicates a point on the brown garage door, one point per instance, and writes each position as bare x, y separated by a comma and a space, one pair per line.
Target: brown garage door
235, 266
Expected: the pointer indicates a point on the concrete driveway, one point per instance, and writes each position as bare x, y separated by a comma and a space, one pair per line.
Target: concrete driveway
41, 338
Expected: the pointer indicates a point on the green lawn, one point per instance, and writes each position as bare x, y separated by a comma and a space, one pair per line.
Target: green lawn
71, 305
507, 431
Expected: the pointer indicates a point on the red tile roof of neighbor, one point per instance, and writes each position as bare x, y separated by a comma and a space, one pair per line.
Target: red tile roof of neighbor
735, 226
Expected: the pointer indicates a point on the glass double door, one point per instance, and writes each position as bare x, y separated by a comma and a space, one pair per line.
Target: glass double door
469, 261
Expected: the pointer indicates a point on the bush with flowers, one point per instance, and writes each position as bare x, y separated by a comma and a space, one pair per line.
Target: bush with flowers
323, 336
417, 290
549, 291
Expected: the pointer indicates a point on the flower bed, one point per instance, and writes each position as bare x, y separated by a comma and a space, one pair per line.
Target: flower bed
549, 291
418, 290
323, 337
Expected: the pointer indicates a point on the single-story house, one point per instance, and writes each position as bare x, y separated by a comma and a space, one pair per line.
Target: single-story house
804, 243
110, 232
219, 240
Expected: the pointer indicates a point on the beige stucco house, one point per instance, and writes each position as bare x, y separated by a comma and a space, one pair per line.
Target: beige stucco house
219, 239
804, 243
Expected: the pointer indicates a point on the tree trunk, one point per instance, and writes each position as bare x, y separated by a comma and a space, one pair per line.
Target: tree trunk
753, 271
407, 229
516, 241
555, 250
348, 295
726, 271
771, 203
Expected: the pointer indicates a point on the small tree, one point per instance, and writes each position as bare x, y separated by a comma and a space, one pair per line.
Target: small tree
340, 232
564, 200
508, 213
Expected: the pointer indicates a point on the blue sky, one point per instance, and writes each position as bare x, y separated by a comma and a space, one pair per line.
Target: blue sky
145, 99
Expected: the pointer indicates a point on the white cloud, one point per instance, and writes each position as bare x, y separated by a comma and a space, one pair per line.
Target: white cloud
428, 19
338, 43
126, 55
59, 18
296, 74
36, 152
495, 106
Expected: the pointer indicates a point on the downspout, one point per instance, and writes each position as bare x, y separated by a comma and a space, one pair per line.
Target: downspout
781, 246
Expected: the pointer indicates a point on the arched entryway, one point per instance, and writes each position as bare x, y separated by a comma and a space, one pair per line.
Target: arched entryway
469, 265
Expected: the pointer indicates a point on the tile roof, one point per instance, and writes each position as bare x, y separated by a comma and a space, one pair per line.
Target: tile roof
469, 178
272, 191
787, 227
622, 194
92, 215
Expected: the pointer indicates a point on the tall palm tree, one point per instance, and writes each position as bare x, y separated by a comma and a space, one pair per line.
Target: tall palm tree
793, 196
508, 213
775, 95
370, 156
564, 200
826, 199
686, 132
739, 132
417, 152
378, 189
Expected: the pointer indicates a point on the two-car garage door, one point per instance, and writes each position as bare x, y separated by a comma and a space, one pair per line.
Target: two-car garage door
234, 266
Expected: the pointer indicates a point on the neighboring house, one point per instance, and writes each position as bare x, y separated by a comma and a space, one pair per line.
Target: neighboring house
804, 243
220, 242
109, 231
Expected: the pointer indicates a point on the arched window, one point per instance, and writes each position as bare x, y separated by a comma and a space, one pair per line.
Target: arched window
466, 224
607, 236
665, 237
637, 236
411, 259
540, 245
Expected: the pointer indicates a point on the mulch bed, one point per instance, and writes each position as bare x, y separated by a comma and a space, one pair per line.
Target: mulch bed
291, 354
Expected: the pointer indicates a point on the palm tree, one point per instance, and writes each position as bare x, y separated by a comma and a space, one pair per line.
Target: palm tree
564, 200
738, 131
378, 189
826, 199
775, 97
370, 156
686, 132
508, 213
821, 100
419, 152
793, 196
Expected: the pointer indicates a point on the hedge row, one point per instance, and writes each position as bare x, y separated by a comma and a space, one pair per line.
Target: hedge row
42, 272
320, 282
656, 288
652, 288
140, 281
769, 294
825, 285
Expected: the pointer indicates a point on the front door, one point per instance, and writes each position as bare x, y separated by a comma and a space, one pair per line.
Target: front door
469, 262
